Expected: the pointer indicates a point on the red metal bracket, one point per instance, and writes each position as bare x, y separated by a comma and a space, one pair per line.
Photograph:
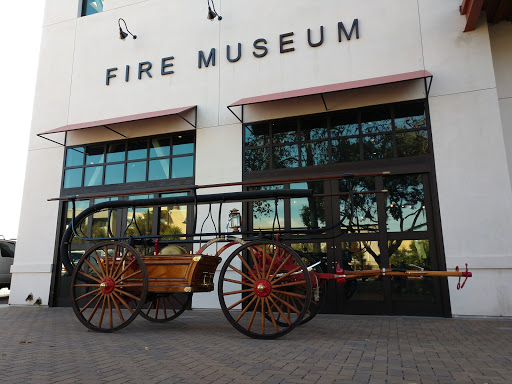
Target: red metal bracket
465, 274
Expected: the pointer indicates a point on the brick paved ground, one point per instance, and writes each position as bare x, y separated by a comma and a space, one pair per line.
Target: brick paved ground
202, 347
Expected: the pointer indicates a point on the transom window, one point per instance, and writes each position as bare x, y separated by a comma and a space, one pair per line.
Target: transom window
373, 133
130, 161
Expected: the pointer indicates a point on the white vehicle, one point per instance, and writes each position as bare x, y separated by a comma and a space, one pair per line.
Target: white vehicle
6, 259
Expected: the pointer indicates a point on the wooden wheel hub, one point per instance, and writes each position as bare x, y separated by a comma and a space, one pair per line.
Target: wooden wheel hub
107, 286
262, 288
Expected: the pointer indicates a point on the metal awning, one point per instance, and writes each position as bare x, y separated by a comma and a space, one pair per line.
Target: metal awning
321, 90
124, 119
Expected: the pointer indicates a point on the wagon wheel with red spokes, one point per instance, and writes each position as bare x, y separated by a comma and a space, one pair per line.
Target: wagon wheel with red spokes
163, 307
258, 289
108, 286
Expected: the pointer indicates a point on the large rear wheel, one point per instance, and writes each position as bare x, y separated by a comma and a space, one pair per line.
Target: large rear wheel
258, 289
109, 286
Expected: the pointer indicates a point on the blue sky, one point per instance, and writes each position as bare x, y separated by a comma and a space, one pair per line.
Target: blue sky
20, 35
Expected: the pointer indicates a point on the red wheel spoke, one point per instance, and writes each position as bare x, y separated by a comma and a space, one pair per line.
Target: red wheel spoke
149, 308
165, 310
246, 308
105, 249
94, 269
94, 309
116, 250
175, 297
249, 269
120, 264
118, 309
89, 303
286, 304
280, 267
130, 276
272, 263
286, 274
157, 307
240, 291
263, 309
85, 285
102, 311
98, 261
118, 297
119, 291
124, 269
255, 263
87, 294
241, 273
271, 314
239, 302
264, 261
281, 313
239, 282
110, 317
289, 293
89, 276
172, 306
253, 313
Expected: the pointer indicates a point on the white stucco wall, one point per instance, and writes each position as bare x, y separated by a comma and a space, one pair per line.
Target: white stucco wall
468, 112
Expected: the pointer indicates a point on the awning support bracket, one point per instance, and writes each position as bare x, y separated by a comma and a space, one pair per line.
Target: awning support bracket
239, 119
427, 86
323, 100
113, 130
195, 119
53, 141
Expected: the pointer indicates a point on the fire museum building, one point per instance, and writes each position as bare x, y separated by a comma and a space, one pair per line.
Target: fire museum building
413, 97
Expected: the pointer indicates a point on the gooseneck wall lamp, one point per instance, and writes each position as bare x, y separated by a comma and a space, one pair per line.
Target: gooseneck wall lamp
123, 34
212, 14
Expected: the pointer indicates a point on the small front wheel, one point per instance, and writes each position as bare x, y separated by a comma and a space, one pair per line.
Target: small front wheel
164, 307
108, 286
258, 289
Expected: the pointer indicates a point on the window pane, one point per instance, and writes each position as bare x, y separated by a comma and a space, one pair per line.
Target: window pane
137, 150
412, 143
315, 153
256, 135
358, 214
305, 212
93, 176
410, 116
73, 178
345, 125
95, 155
116, 152
376, 120
173, 219
345, 150
378, 147
182, 144
182, 167
286, 156
312, 129
159, 147
158, 169
136, 171
92, 6
411, 254
360, 256
284, 131
405, 207
100, 223
114, 174
143, 223
263, 211
74, 156
81, 230
256, 159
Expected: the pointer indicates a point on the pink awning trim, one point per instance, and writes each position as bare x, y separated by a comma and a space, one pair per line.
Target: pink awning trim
333, 88
116, 120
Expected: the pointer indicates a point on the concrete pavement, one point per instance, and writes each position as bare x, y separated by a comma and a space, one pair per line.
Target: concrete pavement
49, 345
